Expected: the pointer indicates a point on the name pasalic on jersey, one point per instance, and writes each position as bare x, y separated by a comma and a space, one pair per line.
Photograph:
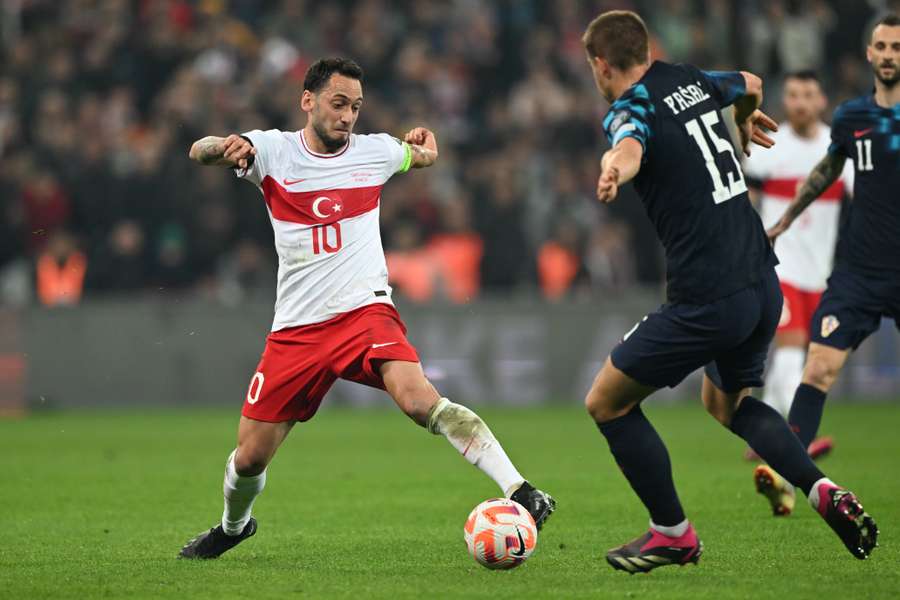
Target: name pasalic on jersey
685, 98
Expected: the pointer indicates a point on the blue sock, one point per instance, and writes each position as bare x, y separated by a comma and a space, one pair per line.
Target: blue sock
806, 412
769, 435
644, 461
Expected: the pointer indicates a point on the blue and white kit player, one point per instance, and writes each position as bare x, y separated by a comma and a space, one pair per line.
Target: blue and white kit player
723, 298
865, 283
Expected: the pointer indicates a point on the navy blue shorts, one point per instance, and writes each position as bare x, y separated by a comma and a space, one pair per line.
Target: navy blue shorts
852, 306
729, 336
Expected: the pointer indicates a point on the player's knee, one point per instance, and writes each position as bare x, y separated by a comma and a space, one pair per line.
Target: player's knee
250, 461
601, 408
415, 399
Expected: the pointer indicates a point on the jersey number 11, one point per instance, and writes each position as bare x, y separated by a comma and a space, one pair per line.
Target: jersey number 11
864, 155
736, 184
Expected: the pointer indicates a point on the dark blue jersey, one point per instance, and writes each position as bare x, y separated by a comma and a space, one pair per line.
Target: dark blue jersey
690, 180
869, 135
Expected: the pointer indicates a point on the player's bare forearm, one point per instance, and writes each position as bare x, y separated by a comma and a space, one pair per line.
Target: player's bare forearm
423, 146
422, 157
619, 166
208, 150
752, 123
231, 151
751, 100
625, 158
822, 176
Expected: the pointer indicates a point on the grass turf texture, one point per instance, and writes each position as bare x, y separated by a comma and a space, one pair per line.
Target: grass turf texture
365, 504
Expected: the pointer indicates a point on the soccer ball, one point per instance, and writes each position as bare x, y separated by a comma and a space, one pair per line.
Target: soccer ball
500, 534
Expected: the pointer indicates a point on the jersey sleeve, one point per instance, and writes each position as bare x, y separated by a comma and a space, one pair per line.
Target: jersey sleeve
630, 116
267, 144
725, 86
399, 154
840, 143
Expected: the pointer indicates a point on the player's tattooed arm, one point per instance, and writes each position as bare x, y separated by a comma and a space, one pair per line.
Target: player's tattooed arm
423, 146
822, 176
231, 151
618, 166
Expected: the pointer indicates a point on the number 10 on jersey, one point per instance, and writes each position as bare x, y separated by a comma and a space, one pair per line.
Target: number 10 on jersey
326, 238
736, 184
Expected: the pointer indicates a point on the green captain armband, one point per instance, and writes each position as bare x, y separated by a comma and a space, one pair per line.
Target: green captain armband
407, 158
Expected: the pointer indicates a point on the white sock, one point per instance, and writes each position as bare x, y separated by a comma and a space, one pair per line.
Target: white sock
784, 376
471, 437
240, 492
814, 492
672, 531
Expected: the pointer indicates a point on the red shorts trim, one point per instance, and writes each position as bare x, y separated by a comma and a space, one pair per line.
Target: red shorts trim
300, 364
798, 310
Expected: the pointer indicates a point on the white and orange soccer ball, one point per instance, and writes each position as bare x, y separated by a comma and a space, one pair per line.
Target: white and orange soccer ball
500, 534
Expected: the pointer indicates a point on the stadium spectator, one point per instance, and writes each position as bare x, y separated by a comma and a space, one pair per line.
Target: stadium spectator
412, 271
121, 263
559, 261
457, 251
60, 271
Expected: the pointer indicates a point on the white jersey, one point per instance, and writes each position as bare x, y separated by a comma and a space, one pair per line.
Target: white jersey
324, 211
806, 251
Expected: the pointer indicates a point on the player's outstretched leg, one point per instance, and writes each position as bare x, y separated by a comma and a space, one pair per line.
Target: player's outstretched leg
414, 394
771, 437
245, 478
613, 402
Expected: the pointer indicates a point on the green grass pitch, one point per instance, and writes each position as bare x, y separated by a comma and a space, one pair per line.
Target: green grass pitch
363, 504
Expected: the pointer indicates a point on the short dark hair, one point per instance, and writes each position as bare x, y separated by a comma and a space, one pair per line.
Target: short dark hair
889, 20
320, 72
804, 75
618, 36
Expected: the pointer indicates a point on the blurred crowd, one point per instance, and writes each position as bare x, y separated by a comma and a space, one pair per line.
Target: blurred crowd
101, 99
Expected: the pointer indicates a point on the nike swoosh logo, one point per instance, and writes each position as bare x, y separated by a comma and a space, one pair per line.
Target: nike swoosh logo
861, 132
383, 345
521, 550
292, 181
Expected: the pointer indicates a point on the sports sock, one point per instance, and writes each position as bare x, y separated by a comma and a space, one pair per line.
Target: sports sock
644, 461
770, 437
473, 439
806, 412
783, 378
240, 492
674, 531
813, 496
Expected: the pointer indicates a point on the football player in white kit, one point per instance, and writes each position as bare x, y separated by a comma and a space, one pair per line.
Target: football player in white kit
805, 252
333, 314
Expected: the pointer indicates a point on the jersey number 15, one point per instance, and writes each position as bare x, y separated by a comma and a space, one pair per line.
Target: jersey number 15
736, 184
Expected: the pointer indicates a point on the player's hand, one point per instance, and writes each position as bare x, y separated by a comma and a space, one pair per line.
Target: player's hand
608, 185
424, 147
753, 129
777, 229
237, 150
421, 137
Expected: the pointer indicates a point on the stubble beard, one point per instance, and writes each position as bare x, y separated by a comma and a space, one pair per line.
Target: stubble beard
888, 82
330, 143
